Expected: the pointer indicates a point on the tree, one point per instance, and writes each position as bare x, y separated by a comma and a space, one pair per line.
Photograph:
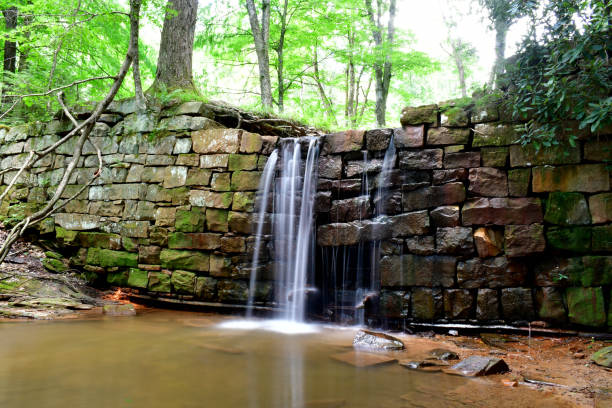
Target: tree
384, 48
261, 38
461, 52
175, 60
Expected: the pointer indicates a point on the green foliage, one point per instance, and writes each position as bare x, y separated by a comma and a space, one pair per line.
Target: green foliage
563, 74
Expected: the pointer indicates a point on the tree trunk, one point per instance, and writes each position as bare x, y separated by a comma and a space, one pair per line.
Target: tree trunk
261, 38
460, 67
174, 64
134, 27
501, 29
317, 77
10, 47
280, 54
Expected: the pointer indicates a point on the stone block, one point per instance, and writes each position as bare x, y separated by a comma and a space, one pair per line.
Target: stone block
216, 220
338, 234
489, 242
453, 115
454, 240
330, 167
149, 254
595, 271
494, 156
413, 270
350, 209
409, 136
139, 122
518, 182
206, 288
586, 306
196, 240
245, 180
341, 142
601, 208
357, 168
269, 144
575, 239
421, 245
138, 278
494, 135
159, 160
522, 240
183, 147
414, 223
98, 240
419, 115
250, 142
242, 162
174, 176
488, 181
434, 196
183, 282
447, 136
135, 229
517, 304
322, 202
394, 304
449, 176
233, 244
567, 209
77, 222
165, 216
190, 220
214, 161
487, 305
421, 160
119, 279
502, 211
550, 305
427, 304
378, 139
554, 271
206, 198
244, 201
598, 150
240, 222
461, 160
411, 180
602, 238
220, 266
188, 159
496, 272
587, 178
445, 216
184, 260
231, 291
528, 155
216, 141
220, 182
159, 282
108, 258
457, 304
198, 177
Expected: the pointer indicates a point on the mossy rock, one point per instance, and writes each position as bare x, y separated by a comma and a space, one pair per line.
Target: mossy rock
54, 265
65, 236
138, 278
159, 282
586, 306
184, 260
190, 221
576, 239
183, 282
603, 357
118, 278
567, 209
107, 258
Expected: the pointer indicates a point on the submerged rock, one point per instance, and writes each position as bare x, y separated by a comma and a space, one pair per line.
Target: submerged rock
365, 339
443, 354
478, 366
125, 309
360, 359
426, 365
603, 357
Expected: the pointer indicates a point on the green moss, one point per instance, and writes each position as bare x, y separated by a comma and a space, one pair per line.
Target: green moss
567, 209
108, 258
118, 278
190, 221
183, 282
138, 278
159, 282
576, 239
586, 306
185, 260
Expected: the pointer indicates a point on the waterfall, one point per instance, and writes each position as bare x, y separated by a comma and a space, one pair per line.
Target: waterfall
293, 224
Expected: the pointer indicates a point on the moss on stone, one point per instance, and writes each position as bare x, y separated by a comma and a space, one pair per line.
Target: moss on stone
185, 260
159, 282
138, 278
117, 278
190, 221
586, 306
216, 220
576, 239
567, 209
183, 282
108, 258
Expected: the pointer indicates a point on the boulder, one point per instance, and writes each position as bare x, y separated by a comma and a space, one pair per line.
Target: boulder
369, 340
603, 357
123, 309
475, 366
419, 115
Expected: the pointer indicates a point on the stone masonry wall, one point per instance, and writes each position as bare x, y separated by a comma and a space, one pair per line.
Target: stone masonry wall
170, 215
478, 227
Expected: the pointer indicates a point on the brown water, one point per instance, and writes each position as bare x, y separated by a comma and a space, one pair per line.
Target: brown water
174, 359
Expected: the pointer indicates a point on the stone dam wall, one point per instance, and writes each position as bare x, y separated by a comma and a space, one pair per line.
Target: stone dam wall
476, 228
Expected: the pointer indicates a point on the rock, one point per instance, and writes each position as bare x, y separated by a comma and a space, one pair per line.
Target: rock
378, 139
206, 288
445, 216
448, 176
183, 282
341, 142
488, 181
77, 222
518, 182
109, 258
586, 306
502, 211
489, 242
567, 209
414, 223
369, 340
603, 357
242, 162
138, 278
475, 366
338, 234
360, 359
245, 180
493, 135
357, 168
550, 305
427, 304
527, 155
330, 167
601, 208
461, 160
454, 240
409, 136
576, 239
496, 272
411, 180
420, 115
211, 161
522, 240
487, 305
250, 142
205, 198
447, 136
421, 245
597, 150
394, 304
54, 265
124, 309
494, 156
159, 282
185, 260
413, 270
457, 303
350, 209
422, 159
517, 304
433, 196
216, 141
443, 354
230, 291
587, 178
602, 238
426, 365
205, 241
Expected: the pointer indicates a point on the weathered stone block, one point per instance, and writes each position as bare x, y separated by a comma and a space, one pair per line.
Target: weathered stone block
138, 278
586, 306
206, 288
461, 160
188, 159
454, 240
394, 304
598, 150
420, 245
601, 207
588, 178
135, 229
413, 270
457, 303
250, 142
190, 221
242, 162
524, 240
378, 139
567, 209
159, 160
240, 222
196, 240
517, 304
453, 115
220, 182
165, 216
109, 258
149, 254
187, 260
350, 209
411, 180
419, 115
447, 136
183, 281
220, 266
231, 291
550, 305
347, 141
421, 160
77, 222
159, 282
502, 211
576, 239
494, 156
487, 305
216, 141
212, 161
489, 242
98, 240
205, 198
602, 238
357, 168
269, 144
449, 176
494, 135
182, 147
434, 196
330, 167
496, 272
596, 271
119, 279
518, 182
338, 234
415, 223
427, 304
233, 244
409, 136
245, 180
488, 181
243, 201
527, 155
174, 176
216, 220
198, 177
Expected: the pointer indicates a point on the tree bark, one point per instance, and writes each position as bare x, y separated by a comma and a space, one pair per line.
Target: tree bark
279, 51
317, 77
134, 33
261, 38
501, 29
460, 66
174, 64
10, 47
